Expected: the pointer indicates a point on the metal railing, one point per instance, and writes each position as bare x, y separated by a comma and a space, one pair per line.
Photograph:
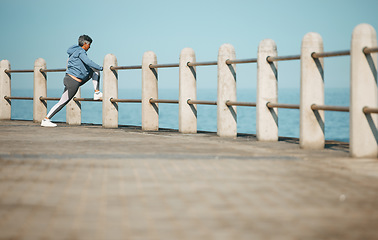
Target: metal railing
283, 58
152, 100
245, 104
18, 71
18, 98
126, 67
282, 105
314, 55
191, 102
172, 65
237, 61
368, 110
192, 64
115, 100
49, 99
316, 107
53, 70
330, 54
367, 50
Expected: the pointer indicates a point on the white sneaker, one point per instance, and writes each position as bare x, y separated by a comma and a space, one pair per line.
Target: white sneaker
97, 95
47, 123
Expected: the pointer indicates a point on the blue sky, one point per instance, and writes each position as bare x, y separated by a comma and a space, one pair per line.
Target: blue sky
46, 28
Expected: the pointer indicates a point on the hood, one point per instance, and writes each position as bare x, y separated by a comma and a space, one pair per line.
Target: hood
73, 49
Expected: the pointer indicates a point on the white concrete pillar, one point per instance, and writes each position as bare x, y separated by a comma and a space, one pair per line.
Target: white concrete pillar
5, 90
187, 90
363, 92
311, 127
40, 90
150, 112
227, 117
110, 90
73, 110
267, 91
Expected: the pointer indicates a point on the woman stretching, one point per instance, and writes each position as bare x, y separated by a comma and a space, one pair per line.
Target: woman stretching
79, 70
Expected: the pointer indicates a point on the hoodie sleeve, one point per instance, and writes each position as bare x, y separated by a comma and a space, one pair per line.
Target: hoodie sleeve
83, 56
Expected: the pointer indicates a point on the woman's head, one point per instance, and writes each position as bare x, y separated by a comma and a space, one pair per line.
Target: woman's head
85, 42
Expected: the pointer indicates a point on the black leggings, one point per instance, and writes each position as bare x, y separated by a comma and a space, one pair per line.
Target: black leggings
71, 86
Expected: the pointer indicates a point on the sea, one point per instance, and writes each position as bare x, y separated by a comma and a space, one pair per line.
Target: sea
336, 123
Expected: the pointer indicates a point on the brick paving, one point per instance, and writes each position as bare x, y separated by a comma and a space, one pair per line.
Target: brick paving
87, 182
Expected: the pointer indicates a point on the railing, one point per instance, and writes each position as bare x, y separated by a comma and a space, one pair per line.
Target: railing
18, 98
364, 99
53, 70
330, 54
329, 108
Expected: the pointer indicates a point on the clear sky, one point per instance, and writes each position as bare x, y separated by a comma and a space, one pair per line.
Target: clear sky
46, 28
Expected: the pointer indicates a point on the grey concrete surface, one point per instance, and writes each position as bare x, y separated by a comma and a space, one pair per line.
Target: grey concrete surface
88, 182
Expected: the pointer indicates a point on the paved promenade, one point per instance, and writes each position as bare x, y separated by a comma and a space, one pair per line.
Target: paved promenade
87, 182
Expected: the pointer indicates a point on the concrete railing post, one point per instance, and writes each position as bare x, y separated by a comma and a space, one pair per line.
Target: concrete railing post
5, 90
40, 90
267, 91
311, 130
363, 92
187, 90
150, 112
227, 117
73, 110
110, 90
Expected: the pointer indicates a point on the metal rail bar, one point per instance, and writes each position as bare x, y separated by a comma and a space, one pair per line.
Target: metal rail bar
191, 102
282, 105
283, 58
330, 54
164, 65
246, 104
18, 98
162, 101
368, 110
114, 100
125, 67
86, 100
329, 108
192, 64
49, 99
18, 71
367, 50
235, 61
53, 70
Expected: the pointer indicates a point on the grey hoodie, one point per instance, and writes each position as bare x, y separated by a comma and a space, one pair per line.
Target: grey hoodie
79, 65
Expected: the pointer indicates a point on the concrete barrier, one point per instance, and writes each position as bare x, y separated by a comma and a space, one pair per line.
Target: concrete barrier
73, 110
150, 112
267, 91
40, 90
363, 92
5, 90
110, 90
311, 130
227, 116
187, 90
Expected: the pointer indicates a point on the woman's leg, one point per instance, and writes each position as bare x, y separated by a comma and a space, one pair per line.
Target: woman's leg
71, 87
96, 80
96, 85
